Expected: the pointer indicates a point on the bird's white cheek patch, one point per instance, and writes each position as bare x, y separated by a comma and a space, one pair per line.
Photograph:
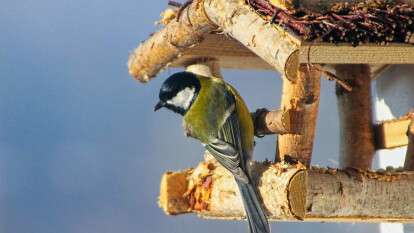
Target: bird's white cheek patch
183, 98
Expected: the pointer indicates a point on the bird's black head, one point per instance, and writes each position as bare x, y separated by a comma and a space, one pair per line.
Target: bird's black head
178, 92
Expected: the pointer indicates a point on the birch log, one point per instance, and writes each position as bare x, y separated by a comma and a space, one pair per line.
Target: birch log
275, 122
291, 192
167, 44
234, 17
301, 96
355, 117
271, 43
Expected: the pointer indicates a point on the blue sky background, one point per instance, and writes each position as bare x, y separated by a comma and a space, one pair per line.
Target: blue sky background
81, 150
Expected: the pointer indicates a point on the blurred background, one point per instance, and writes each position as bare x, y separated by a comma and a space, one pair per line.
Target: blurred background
81, 150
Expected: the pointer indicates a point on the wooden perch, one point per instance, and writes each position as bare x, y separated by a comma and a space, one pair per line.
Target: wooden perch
300, 96
275, 122
291, 192
391, 134
409, 157
355, 117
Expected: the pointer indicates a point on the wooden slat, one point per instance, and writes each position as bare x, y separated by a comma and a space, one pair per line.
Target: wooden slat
363, 54
232, 54
392, 134
229, 52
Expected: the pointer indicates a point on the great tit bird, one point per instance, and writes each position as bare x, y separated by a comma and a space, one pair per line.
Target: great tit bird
215, 114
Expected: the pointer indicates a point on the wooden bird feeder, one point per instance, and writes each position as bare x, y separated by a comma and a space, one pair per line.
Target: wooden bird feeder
347, 41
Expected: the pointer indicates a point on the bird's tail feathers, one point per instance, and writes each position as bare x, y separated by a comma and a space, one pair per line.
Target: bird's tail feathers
255, 215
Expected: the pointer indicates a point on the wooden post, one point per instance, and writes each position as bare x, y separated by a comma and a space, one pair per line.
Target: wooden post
301, 96
409, 156
355, 117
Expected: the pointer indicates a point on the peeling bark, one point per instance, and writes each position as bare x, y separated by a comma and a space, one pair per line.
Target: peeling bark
291, 192
273, 45
167, 44
202, 17
301, 96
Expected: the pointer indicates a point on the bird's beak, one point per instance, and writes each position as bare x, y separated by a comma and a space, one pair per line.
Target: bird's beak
159, 105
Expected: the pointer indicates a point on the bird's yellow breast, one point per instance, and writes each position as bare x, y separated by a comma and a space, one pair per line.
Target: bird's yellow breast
208, 112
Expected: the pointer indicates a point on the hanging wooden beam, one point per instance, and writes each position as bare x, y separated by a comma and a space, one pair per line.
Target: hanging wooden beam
291, 192
300, 96
355, 117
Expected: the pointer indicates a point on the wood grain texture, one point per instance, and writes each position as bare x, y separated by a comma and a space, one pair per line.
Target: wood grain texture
355, 117
164, 46
325, 53
273, 44
291, 192
391, 134
228, 52
301, 96
275, 122
256, 44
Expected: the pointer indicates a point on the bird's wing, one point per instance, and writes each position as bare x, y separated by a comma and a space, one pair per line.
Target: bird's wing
228, 157
227, 148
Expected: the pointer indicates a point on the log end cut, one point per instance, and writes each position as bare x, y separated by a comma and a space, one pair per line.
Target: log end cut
210, 191
297, 194
172, 189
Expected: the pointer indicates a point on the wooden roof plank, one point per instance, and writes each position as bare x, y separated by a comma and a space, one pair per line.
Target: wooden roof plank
326, 53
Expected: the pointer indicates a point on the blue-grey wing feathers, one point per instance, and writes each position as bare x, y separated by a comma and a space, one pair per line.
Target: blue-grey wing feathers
229, 152
228, 157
